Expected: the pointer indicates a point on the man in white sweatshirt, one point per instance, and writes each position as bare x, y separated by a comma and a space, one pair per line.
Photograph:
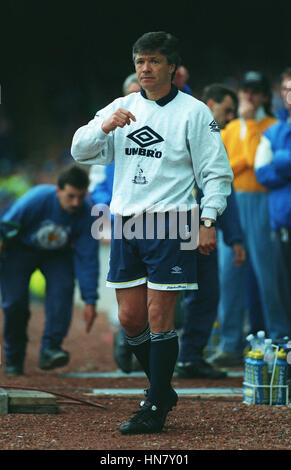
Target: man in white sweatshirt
162, 141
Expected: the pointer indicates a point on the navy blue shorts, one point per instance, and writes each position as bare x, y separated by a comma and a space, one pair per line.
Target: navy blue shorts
149, 258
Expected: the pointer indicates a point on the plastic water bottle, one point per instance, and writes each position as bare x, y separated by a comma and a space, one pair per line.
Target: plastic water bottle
269, 355
248, 390
280, 378
261, 379
260, 341
252, 341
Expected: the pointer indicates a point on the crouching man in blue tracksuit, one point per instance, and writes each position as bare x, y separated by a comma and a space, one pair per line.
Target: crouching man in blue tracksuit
55, 237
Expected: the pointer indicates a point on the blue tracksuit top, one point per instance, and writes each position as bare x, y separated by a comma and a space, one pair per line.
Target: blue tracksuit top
102, 192
277, 175
46, 226
228, 222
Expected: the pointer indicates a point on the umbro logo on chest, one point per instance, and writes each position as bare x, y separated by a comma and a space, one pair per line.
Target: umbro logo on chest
144, 137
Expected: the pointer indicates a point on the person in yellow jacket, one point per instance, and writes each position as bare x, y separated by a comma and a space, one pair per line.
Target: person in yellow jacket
241, 138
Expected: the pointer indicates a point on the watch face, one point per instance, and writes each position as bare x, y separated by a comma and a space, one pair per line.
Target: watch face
207, 223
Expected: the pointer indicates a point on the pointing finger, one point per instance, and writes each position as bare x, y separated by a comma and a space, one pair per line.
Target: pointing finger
128, 114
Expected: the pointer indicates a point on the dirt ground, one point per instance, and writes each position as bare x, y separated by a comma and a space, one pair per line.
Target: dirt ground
197, 423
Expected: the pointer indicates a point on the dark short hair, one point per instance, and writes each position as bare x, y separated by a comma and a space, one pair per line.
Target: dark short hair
160, 41
217, 92
74, 176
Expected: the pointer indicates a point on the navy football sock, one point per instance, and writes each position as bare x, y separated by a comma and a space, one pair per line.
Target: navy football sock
140, 346
163, 356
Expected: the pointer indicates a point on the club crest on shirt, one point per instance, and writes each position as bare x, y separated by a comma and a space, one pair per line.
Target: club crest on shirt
139, 177
51, 236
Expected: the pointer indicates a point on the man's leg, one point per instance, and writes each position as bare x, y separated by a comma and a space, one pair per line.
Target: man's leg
122, 351
232, 302
164, 344
17, 266
199, 316
59, 275
262, 255
283, 268
155, 346
133, 316
254, 303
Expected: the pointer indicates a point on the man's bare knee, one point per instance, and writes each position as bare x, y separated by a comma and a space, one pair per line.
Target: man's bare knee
161, 310
132, 309
132, 321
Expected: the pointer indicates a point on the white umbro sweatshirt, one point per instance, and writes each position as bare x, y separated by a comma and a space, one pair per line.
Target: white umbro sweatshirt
174, 143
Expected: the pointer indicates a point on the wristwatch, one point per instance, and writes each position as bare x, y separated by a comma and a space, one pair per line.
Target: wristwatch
207, 223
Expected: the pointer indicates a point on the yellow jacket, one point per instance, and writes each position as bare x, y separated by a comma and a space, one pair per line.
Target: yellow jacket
241, 139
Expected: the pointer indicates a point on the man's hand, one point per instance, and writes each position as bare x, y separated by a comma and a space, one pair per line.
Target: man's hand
120, 118
207, 240
246, 109
239, 254
89, 316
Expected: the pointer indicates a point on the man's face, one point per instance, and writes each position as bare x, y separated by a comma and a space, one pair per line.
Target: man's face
71, 198
256, 97
286, 92
133, 87
224, 112
181, 77
153, 71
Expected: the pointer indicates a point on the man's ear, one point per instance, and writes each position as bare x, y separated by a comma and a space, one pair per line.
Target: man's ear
172, 68
210, 103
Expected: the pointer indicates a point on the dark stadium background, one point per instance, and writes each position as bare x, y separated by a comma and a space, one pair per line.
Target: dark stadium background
61, 61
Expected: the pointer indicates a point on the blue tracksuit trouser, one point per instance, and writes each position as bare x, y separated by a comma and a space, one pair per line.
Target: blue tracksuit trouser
200, 309
282, 239
16, 267
254, 218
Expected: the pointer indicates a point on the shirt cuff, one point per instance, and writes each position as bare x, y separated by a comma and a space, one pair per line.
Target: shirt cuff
101, 135
209, 213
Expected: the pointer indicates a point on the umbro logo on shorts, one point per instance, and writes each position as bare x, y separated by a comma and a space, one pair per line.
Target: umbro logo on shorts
176, 270
145, 136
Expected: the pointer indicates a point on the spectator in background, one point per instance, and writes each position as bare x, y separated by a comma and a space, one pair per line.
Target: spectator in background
241, 138
223, 103
273, 170
277, 100
55, 236
181, 78
130, 85
200, 307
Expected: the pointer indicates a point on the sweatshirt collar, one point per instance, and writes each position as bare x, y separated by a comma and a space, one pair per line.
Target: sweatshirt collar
165, 99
